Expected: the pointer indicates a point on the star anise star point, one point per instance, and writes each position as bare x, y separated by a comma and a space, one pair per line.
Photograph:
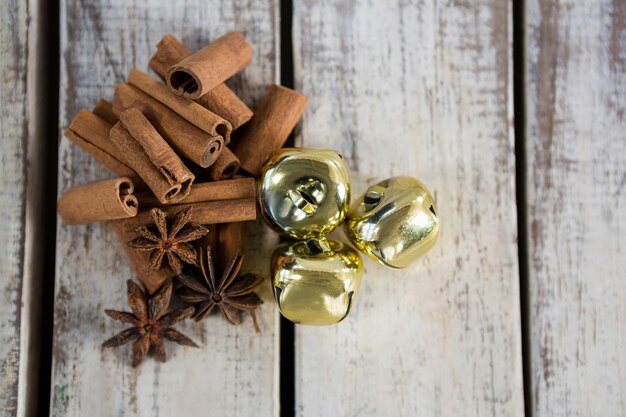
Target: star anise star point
230, 292
173, 244
150, 323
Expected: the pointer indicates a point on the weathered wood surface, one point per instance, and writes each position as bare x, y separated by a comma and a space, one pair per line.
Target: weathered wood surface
576, 177
235, 371
14, 127
423, 89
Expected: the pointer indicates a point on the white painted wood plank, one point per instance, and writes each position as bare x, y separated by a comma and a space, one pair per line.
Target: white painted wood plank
576, 177
235, 373
419, 88
14, 61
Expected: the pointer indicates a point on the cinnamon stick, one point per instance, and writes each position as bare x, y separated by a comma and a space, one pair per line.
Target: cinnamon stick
91, 133
157, 149
98, 201
186, 138
276, 116
231, 241
202, 71
187, 109
225, 167
239, 188
151, 157
220, 100
104, 110
208, 212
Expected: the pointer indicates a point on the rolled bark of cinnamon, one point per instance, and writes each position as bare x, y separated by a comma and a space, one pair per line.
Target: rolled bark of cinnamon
104, 200
140, 261
91, 133
277, 115
159, 152
151, 157
104, 110
220, 100
187, 139
210, 240
231, 241
239, 188
208, 212
223, 101
202, 71
194, 113
225, 167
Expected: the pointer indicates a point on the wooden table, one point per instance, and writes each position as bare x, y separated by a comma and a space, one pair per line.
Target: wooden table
513, 115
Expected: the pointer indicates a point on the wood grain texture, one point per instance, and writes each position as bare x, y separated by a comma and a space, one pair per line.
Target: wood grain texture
14, 128
576, 177
424, 89
235, 371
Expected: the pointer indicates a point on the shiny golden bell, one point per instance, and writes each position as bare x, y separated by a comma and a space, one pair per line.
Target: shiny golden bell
315, 281
304, 193
394, 222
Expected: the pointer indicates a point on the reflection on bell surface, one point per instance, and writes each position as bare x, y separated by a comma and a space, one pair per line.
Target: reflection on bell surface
315, 281
394, 222
304, 193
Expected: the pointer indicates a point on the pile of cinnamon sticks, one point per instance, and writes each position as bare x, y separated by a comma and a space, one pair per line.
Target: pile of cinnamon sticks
170, 146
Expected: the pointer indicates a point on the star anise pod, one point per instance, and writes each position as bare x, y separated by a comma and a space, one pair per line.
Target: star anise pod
230, 292
172, 244
150, 325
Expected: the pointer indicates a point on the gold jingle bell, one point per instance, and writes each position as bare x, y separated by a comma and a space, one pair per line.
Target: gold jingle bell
315, 281
304, 193
394, 222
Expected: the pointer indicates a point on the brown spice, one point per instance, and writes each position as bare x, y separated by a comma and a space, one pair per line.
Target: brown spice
233, 189
104, 110
139, 261
91, 133
231, 239
187, 139
143, 149
194, 113
171, 243
202, 71
231, 293
220, 100
150, 325
98, 201
208, 212
276, 116
225, 167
